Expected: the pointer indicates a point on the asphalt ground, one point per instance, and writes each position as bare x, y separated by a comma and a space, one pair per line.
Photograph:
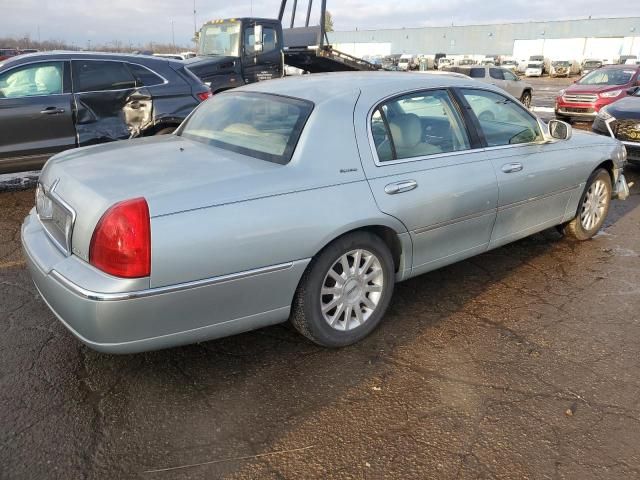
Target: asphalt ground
519, 363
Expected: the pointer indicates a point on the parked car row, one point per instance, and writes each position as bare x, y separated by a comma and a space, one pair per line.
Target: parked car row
238, 220
51, 102
500, 77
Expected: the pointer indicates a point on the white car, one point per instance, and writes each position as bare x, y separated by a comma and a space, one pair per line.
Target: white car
534, 70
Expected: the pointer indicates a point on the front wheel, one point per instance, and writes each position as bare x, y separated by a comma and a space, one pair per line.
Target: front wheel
345, 291
526, 99
593, 208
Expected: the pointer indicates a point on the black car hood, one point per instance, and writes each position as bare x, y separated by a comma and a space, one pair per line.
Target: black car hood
206, 66
626, 109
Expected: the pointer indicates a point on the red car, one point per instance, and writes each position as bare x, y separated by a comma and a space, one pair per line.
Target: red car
584, 99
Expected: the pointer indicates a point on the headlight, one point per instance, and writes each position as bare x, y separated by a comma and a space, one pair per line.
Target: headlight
612, 94
604, 115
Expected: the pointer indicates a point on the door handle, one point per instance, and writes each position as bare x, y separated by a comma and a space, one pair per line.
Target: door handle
512, 167
52, 111
400, 187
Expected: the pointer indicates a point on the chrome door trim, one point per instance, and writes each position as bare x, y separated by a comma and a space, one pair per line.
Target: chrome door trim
206, 282
536, 198
418, 231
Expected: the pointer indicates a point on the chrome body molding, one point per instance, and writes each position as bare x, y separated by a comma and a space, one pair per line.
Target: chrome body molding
111, 297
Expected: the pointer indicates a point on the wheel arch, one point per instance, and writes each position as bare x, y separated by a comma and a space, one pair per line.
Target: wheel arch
608, 166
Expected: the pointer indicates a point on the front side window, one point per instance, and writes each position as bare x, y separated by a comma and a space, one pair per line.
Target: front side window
269, 40
259, 125
502, 121
32, 80
418, 125
99, 75
509, 76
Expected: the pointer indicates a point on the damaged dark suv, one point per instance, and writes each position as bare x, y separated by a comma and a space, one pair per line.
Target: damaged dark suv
56, 101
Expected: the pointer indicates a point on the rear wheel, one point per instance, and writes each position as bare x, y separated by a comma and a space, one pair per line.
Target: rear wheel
593, 208
345, 291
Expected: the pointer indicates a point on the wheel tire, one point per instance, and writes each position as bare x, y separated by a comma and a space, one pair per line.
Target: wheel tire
597, 193
165, 131
526, 99
307, 316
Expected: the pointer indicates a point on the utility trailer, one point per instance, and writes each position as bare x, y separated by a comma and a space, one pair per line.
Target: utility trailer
238, 51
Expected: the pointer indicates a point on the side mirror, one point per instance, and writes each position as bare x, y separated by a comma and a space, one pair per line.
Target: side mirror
257, 38
560, 130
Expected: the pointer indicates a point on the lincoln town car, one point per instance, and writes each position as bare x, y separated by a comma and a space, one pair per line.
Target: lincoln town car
304, 200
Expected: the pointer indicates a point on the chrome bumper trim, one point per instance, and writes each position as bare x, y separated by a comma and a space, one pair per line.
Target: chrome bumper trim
111, 297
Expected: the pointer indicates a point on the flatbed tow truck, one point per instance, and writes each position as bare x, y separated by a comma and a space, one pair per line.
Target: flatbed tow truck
237, 51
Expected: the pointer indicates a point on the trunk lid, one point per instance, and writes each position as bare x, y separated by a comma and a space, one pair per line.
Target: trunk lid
172, 173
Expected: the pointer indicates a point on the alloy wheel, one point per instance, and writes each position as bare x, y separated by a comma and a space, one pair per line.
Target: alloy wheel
594, 205
351, 290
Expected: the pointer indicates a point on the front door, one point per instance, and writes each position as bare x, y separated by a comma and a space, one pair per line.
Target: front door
427, 174
535, 177
36, 118
267, 63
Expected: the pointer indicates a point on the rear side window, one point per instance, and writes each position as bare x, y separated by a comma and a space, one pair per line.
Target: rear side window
259, 125
143, 76
99, 75
502, 121
418, 125
496, 73
477, 73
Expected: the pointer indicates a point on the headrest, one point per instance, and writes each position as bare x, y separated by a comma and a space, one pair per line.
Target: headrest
406, 130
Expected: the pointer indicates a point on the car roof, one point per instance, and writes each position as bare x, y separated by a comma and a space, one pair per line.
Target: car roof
320, 87
620, 67
69, 55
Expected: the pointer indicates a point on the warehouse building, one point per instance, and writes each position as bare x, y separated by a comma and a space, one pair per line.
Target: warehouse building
602, 38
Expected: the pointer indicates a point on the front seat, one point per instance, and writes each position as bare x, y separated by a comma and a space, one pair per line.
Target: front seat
406, 131
48, 80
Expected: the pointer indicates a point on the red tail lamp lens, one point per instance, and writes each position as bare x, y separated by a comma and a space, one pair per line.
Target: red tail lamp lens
121, 242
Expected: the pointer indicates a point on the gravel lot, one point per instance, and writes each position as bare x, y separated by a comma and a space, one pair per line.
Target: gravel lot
520, 363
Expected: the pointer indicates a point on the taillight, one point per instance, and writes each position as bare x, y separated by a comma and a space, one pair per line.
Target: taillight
121, 242
204, 95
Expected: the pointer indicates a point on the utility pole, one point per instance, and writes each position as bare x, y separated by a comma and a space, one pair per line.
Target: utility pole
38, 33
195, 23
173, 37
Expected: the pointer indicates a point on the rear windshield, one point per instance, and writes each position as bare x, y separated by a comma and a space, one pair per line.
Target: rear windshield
608, 76
477, 73
259, 125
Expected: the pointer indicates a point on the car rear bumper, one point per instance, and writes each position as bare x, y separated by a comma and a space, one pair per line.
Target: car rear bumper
156, 318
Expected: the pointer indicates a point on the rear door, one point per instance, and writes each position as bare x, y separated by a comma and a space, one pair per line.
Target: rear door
536, 177
109, 104
496, 77
35, 114
267, 63
423, 169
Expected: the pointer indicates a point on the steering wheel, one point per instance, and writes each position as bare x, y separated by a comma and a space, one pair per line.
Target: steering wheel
487, 116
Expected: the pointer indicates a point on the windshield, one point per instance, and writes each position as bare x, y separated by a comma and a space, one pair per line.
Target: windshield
533, 65
592, 64
220, 39
259, 125
560, 64
509, 62
613, 76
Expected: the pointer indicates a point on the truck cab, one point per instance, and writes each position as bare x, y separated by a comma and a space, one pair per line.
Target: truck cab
238, 51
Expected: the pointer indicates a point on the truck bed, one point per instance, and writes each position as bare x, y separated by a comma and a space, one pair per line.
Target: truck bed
304, 48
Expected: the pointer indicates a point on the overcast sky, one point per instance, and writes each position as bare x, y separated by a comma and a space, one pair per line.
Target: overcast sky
137, 21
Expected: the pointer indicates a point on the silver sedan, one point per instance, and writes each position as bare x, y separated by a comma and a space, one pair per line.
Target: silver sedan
303, 199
